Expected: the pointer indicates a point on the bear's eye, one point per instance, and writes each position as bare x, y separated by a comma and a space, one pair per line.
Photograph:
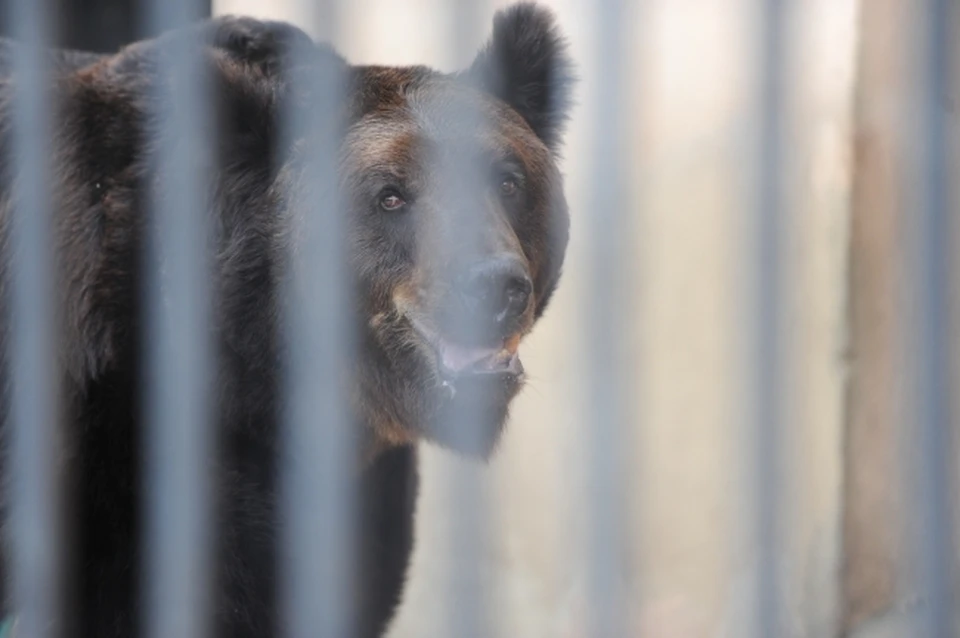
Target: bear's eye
508, 186
391, 201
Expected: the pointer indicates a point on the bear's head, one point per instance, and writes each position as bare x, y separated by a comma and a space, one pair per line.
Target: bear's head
457, 218
459, 229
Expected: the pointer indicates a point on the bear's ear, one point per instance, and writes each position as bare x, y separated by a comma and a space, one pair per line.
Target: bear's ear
526, 65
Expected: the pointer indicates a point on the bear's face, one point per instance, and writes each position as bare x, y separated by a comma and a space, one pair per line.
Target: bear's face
459, 227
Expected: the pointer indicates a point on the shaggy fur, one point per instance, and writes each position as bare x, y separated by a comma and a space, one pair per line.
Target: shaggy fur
393, 121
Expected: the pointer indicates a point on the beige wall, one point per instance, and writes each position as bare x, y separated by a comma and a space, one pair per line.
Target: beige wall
691, 556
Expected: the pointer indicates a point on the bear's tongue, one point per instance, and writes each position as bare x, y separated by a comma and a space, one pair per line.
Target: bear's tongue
458, 357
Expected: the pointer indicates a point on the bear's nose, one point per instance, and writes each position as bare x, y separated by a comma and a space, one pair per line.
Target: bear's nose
498, 290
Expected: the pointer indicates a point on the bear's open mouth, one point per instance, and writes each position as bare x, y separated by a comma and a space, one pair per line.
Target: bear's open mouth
458, 360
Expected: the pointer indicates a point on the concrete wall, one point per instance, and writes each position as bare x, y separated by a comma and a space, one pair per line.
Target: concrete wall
881, 597
688, 571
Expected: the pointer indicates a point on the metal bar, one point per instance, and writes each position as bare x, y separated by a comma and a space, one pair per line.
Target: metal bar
606, 322
34, 401
769, 215
468, 510
927, 430
318, 505
179, 439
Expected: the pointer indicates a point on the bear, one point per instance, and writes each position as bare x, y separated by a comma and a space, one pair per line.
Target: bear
414, 370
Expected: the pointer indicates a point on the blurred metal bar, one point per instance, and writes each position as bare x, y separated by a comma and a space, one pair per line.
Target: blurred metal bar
318, 504
767, 383
467, 509
34, 517
178, 364
929, 338
606, 323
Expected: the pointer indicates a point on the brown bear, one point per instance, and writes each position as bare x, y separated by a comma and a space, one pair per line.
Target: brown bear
416, 369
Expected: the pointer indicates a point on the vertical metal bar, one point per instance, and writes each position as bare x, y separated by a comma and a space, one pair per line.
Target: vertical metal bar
34, 374
605, 324
468, 510
767, 300
927, 430
179, 439
317, 549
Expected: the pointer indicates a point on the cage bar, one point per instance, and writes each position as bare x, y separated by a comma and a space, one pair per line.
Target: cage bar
929, 337
35, 521
467, 608
766, 384
318, 467
606, 321
178, 442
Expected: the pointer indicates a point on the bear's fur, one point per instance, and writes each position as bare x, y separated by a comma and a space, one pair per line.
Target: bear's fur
414, 370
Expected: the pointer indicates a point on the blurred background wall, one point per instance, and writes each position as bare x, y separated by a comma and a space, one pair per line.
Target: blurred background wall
687, 484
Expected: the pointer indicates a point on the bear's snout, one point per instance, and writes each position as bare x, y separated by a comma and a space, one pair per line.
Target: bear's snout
497, 292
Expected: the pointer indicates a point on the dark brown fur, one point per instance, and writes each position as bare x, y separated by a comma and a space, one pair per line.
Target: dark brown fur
401, 126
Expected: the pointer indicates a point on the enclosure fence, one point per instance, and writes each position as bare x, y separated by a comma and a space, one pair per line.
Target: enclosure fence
317, 504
